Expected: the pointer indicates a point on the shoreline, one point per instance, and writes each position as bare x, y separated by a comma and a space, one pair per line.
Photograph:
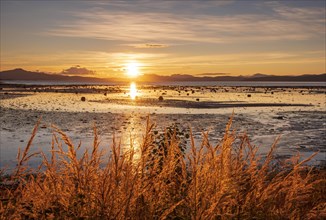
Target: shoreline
298, 115
255, 84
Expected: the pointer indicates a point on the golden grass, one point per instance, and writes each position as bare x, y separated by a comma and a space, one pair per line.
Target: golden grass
227, 181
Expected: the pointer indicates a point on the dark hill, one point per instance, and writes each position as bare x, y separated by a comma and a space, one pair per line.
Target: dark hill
302, 78
21, 74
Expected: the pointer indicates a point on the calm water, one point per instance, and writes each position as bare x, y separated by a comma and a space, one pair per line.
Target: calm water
185, 83
246, 84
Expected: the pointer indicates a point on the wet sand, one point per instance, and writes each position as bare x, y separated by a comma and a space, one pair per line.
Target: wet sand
300, 122
175, 103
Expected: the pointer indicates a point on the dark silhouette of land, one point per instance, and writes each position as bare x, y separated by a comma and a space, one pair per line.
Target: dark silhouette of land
256, 77
23, 75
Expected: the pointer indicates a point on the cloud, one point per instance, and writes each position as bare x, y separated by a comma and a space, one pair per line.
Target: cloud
127, 25
238, 59
77, 70
302, 14
148, 45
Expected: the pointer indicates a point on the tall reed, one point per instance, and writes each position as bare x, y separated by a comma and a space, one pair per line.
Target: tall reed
226, 181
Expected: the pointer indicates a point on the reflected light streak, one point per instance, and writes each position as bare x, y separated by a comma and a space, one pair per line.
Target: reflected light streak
131, 143
133, 91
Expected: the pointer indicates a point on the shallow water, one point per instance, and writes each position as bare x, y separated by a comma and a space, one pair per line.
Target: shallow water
185, 83
120, 102
302, 128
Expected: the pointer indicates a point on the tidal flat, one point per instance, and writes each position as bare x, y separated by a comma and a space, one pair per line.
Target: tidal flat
295, 114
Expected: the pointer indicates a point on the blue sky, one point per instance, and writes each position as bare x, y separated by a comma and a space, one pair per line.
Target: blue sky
165, 37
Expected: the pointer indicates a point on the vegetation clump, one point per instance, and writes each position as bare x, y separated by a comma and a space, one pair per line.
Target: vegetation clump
160, 180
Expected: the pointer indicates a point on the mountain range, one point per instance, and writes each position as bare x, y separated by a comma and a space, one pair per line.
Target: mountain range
24, 75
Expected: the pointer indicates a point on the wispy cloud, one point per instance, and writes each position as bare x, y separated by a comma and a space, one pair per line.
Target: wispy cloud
238, 59
148, 45
300, 14
169, 28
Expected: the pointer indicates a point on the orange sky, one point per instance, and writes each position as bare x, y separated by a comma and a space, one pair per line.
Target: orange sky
170, 37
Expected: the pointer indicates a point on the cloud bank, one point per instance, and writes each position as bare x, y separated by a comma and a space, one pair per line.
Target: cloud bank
77, 70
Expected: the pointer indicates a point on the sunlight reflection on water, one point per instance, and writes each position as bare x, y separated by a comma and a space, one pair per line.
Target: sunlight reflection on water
124, 101
131, 140
133, 91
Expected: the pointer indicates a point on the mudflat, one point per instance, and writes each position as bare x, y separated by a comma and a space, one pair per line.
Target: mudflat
296, 114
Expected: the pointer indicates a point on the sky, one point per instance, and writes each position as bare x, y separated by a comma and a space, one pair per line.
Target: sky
100, 38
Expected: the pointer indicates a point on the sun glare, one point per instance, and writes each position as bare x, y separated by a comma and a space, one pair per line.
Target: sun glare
132, 69
133, 91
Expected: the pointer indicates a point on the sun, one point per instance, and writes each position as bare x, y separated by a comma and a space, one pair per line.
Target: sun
132, 69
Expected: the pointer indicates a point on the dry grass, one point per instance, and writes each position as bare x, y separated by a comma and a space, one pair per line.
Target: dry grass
227, 181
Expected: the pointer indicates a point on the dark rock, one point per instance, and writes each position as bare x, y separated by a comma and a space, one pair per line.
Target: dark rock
83, 99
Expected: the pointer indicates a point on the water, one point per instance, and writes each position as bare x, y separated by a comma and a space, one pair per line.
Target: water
181, 83
302, 127
244, 84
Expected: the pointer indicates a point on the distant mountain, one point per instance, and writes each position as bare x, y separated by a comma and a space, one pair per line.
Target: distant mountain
255, 77
186, 77
21, 74
302, 78
258, 75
